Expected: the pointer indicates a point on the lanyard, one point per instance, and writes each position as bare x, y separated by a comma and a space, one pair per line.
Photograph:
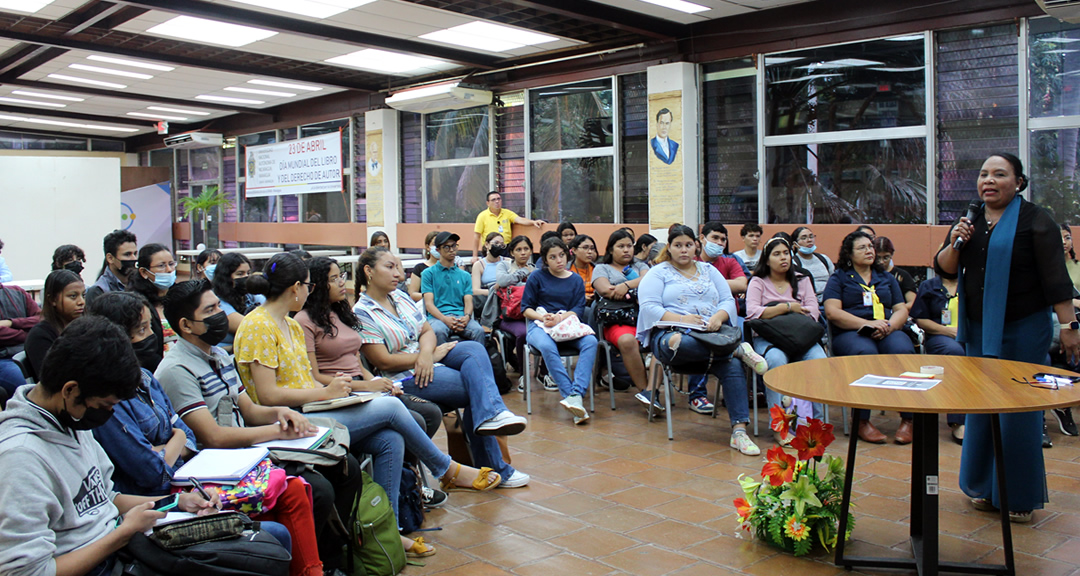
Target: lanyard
870, 298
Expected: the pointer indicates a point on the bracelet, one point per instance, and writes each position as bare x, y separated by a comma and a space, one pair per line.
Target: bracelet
789, 306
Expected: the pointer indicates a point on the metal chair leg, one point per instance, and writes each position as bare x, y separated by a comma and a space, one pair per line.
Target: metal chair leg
669, 389
528, 379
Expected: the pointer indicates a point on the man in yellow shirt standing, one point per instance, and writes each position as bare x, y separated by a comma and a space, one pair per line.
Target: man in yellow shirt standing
495, 219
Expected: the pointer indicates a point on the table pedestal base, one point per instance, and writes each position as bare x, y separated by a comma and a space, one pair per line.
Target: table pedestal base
924, 507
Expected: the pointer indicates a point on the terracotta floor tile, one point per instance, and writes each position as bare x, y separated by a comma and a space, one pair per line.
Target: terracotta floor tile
725, 471
880, 532
959, 524
536, 490
636, 451
471, 569
542, 446
563, 564
582, 457
1031, 565
512, 551
620, 466
499, 511
574, 503
598, 484
642, 497
886, 469
881, 507
659, 477
545, 525
467, 533
787, 564
884, 487
620, 519
672, 534
648, 561
445, 558
954, 549
556, 472
1025, 538
594, 543
678, 461
601, 442
693, 510
1068, 524
704, 569
1068, 551
736, 553
709, 489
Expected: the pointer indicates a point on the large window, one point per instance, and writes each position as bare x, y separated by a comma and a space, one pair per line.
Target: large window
1054, 110
634, 148
731, 141
457, 163
571, 152
329, 206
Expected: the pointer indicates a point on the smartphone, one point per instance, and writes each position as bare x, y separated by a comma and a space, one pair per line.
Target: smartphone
167, 503
867, 331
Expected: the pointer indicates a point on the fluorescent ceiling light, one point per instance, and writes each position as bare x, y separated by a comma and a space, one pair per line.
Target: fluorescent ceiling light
256, 91
908, 38
177, 110
132, 63
777, 60
7, 118
1061, 51
227, 99
110, 71
680, 5
66, 124
383, 61
1059, 39
841, 63
88, 81
313, 8
908, 69
206, 31
42, 95
156, 116
285, 85
29, 6
32, 102
487, 36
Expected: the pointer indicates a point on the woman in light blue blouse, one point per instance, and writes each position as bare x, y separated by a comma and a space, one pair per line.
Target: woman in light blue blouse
679, 289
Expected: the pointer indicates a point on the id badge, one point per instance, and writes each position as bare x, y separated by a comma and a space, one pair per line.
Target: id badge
500, 228
946, 317
867, 299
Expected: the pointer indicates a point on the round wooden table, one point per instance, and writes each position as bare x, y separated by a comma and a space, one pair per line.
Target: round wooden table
969, 385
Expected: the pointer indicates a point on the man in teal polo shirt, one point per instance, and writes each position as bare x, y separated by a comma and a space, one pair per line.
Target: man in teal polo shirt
447, 293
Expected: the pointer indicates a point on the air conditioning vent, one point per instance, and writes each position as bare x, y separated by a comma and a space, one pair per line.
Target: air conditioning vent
1066, 10
194, 140
439, 97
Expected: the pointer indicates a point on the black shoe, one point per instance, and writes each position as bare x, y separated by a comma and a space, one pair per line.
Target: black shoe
1047, 442
1065, 421
434, 498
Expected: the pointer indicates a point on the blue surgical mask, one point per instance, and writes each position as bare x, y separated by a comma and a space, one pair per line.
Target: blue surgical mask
807, 251
164, 280
713, 250
209, 271
434, 252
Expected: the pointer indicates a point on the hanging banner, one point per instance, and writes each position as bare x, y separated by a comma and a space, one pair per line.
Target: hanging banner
305, 166
374, 181
665, 159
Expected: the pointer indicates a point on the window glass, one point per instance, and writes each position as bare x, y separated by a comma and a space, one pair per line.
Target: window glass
1053, 171
205, 164
510, 151
359, 172
571, 116
730, 163
875, 181
456, 193
98, 145
457, 134
634, 148
263, 209
328, 206
412, 170
577, 190
1053, 68
874, 84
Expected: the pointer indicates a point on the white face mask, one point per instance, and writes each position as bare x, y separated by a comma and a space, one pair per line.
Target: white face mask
434, 252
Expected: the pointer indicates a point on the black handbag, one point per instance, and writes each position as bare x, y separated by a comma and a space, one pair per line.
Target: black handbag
793, 334
622, 312
722, 342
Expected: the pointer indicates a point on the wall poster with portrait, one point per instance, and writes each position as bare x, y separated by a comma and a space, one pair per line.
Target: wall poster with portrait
374, 169
665, 159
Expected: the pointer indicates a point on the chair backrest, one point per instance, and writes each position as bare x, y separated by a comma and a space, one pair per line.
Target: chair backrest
23, 363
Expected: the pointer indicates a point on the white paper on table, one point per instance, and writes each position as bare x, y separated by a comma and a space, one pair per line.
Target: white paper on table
895, 382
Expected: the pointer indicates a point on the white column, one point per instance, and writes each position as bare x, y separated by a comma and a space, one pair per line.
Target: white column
674, 182
383, 180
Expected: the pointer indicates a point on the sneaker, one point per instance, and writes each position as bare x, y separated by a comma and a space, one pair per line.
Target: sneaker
521, 384
1047, 442
433, 498
1065, 421
518, 479
701, 405
574, 406
505, 423
741, 442
581, 419
644, 397
549, 384
745, 352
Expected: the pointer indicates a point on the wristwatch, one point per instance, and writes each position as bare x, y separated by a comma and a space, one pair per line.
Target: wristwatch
1074, 325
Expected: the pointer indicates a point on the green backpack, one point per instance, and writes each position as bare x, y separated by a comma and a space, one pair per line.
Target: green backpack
375, 547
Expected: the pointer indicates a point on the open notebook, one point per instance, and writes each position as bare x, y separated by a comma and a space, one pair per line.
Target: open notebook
354, 398
220, 466
305, 443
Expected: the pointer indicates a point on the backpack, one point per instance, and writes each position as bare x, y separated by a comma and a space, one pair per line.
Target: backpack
410, 501
254, 553
510, 301
498, 366
375, 545
331, 452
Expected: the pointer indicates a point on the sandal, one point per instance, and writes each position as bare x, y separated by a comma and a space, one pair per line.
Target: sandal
482, 483
419, 549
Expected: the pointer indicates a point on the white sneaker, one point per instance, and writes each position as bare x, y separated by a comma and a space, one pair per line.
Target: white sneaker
505, 423
521, 384
518, 479
742, 442
574, 406
745, 352
581, 419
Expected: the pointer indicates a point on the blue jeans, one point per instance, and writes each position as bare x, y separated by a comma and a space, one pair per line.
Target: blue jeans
384, 428
279, 532
851, 344
472, 331
465, 380
549, 350
728, 371
776, 357
11, 377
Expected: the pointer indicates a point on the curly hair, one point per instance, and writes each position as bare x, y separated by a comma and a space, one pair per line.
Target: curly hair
223, 284
318, 305
847, 249
64, 253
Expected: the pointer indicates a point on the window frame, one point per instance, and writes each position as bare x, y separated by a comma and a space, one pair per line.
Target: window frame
426, 164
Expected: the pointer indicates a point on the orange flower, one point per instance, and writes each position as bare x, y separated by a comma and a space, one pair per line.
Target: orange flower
781, 421
811, 441
796, 530
743, 508
780, 467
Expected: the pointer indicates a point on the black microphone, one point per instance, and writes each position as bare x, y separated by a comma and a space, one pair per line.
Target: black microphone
973, 208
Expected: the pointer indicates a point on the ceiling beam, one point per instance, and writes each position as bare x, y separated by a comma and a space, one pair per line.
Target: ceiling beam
317, 30
613, 16
90, 91
24, 111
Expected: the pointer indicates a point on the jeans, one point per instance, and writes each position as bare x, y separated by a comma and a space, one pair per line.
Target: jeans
851, 344
776, 357
384, 428
586, 349
279, 532
729, 371
11, 377
472, 331
465, 380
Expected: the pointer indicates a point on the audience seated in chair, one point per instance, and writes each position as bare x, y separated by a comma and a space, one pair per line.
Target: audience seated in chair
19, 313
820, 267
230, 286
64, 301
121, 249
447, 293
205, 265
511, 274
616, 279
156, 273
884, 250
751, 252
69, 257
431, 258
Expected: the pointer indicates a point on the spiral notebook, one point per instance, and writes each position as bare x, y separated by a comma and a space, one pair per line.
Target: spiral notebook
220, 466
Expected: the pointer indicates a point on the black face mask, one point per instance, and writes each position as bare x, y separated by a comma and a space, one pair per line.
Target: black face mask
75, 266
240, 285
498, 251
217, 328
148, 353
127, 265
92, 418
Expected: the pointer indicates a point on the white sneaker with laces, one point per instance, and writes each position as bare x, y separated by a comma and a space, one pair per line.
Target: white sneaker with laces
505, 423
742, 442
518, 479
745, 352
574, 406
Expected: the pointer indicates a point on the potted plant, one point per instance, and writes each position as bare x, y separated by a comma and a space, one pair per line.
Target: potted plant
202, 205
797, 502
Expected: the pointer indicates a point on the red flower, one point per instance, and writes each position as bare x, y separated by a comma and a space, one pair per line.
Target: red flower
781, 420
743, 508
780, 467
811, 441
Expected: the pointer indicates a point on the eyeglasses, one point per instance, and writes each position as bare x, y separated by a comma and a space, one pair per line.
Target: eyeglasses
866, 248
340, 278
1038, 384
448, 247
164, 266
810, 237
309, 285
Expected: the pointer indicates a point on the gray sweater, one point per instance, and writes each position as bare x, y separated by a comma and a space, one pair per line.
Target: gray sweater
57, 493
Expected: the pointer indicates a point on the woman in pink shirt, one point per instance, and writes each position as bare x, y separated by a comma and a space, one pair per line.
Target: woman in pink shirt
775, 290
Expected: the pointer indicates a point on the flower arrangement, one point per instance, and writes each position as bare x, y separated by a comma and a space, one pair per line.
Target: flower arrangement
798, 500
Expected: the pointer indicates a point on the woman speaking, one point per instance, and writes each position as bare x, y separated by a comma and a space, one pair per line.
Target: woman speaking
1011, 272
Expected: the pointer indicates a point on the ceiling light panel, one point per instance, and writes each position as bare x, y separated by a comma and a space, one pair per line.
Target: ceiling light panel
32, 102
287, 85
110, 71
49, 96
312, 8
205, 31
257, 91
157, 116
177, 111
27, 6
227, 99
680, 5
132, 63
88, 81
480, 31
383, 61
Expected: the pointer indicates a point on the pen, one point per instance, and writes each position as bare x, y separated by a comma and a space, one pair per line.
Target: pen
202, 491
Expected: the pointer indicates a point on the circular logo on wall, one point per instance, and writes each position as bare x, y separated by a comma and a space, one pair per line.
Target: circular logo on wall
127, 216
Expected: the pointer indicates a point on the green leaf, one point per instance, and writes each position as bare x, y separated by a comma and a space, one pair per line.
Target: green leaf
801, 492
749, 486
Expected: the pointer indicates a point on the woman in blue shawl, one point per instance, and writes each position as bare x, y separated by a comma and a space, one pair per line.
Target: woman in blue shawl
1005, 312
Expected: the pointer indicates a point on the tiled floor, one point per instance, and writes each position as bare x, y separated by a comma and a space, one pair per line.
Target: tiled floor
616, 497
